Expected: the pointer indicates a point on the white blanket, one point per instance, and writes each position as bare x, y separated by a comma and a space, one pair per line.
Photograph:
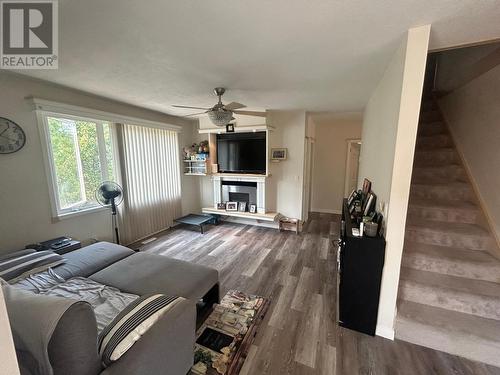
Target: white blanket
106, 301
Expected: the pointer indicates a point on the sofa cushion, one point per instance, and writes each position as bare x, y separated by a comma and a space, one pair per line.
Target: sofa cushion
166, 348
72, 347
90, 259
143, 273
43, 326
131, 323
20, 266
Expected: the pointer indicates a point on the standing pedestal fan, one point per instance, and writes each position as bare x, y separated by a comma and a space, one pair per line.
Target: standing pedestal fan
110, 194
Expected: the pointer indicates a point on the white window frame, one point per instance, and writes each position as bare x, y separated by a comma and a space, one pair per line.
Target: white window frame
45, 108
57, 211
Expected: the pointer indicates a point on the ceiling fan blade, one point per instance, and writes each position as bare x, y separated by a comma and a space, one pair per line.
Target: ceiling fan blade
196, 114
251, 113
186, 106
234, 105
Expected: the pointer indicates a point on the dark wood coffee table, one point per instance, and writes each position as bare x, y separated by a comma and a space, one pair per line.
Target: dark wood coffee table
224, 339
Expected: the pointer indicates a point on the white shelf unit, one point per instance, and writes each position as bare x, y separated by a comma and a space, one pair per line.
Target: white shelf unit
195, 167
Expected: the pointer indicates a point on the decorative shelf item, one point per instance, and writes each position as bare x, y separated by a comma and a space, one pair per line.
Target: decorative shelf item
196, 159
196, 167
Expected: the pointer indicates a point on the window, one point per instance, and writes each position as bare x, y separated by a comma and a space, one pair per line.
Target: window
80, 154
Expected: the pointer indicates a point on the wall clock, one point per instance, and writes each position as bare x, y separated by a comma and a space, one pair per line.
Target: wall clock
12, 137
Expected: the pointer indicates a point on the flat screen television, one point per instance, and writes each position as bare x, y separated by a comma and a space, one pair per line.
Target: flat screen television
242, 152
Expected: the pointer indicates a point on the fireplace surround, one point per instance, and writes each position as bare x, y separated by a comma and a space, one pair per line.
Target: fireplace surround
250, 189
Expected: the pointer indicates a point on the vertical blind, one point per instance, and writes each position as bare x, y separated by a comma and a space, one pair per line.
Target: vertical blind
150, 174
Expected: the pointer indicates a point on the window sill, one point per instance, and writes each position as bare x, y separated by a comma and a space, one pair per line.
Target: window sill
71, 214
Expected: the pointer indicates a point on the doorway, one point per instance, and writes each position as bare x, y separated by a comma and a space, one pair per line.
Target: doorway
308, 171
352, 165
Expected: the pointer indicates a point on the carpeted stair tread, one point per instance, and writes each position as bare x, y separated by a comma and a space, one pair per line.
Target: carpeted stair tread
460, 334
448, 233
430, 115
443, 210
439, 174
448, 282
444, 204
445, 252
469, 264
434, 141
451, 321
431, 128
442, 156
442, 190
444, 226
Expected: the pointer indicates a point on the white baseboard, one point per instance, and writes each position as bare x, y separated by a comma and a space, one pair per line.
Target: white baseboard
385, 332
326, 211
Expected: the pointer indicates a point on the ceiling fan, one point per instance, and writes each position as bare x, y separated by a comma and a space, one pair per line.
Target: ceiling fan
221, 114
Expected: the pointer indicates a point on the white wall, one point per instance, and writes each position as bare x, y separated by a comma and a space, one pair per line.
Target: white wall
380, 127
330, 154
9, 360
284, 186
190, 185
25, 215
473, 114
388, 143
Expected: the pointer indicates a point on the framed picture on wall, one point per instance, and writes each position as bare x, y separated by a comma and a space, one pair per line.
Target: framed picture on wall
278, 153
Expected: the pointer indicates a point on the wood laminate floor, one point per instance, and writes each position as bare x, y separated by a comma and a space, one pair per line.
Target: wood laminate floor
299, 334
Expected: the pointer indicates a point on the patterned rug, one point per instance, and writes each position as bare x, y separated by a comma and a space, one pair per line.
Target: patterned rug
223, 340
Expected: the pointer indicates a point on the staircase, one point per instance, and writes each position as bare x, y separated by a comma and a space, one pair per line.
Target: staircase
449, 294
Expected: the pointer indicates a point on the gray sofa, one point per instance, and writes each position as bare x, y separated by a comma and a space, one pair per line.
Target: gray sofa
70, 340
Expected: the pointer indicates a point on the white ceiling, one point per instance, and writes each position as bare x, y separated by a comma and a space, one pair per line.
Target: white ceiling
270, 54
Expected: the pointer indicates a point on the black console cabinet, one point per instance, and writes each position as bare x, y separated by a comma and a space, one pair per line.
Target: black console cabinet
360, 263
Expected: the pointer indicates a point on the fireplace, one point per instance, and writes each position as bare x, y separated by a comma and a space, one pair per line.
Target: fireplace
239, 191
240, 188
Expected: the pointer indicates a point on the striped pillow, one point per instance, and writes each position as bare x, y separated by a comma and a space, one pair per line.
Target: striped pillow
130, 324
14, 268
16, 254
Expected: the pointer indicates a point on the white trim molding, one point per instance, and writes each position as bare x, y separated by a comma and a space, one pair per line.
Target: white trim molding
51, 107
385, 332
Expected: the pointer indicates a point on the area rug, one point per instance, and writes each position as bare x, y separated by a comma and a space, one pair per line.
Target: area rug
224, 339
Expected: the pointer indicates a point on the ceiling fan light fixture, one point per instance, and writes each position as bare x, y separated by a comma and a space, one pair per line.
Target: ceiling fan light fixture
220, 117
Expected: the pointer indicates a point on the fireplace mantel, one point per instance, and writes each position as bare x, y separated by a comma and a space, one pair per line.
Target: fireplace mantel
259, 179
